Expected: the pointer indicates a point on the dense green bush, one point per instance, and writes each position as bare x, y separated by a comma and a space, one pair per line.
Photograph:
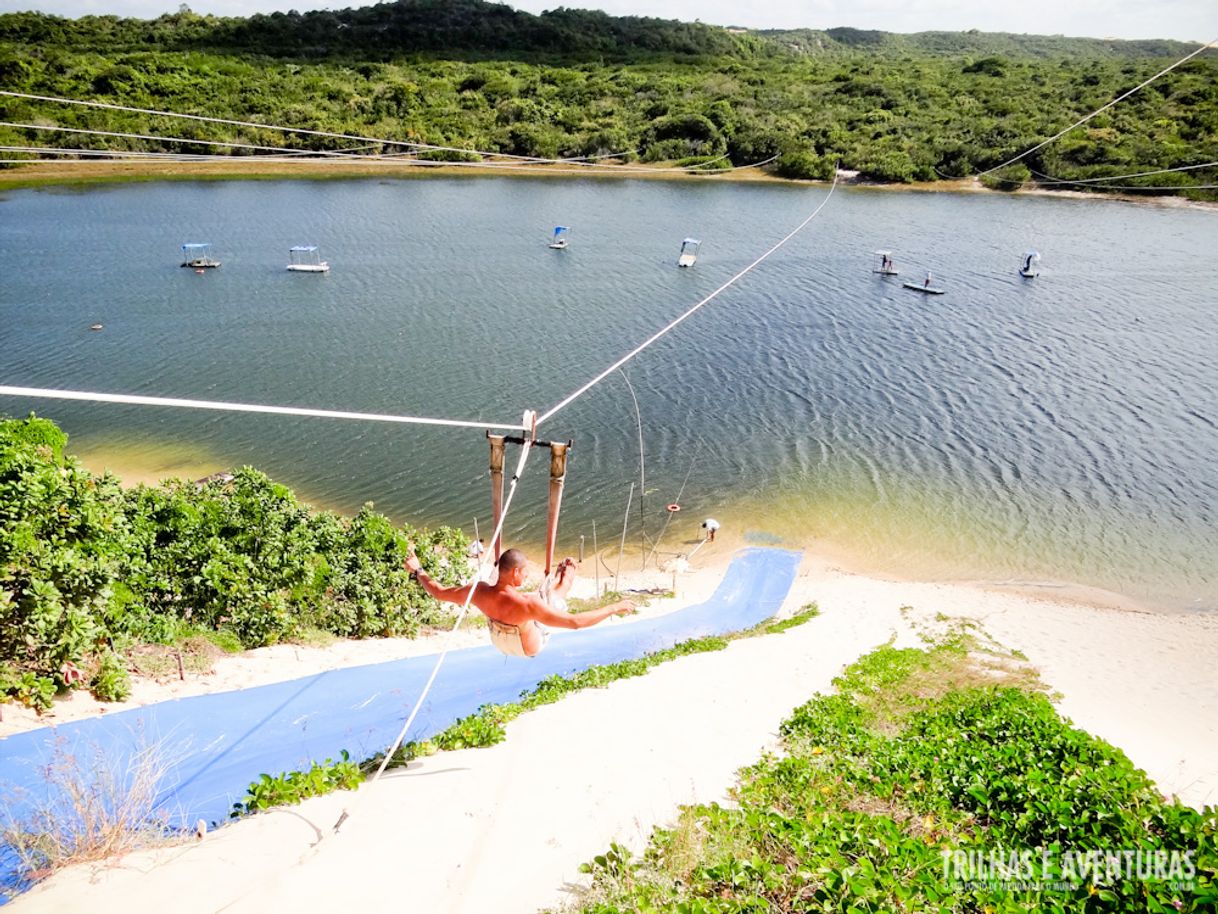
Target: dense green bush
59, 528
881, 784
87, 568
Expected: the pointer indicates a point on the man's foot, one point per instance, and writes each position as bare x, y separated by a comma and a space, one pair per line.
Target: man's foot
564, 577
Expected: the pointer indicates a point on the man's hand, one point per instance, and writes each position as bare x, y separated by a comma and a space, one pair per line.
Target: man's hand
411, 563
625, 608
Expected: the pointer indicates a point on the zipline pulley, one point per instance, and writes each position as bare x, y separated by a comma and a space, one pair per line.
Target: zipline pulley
558, 475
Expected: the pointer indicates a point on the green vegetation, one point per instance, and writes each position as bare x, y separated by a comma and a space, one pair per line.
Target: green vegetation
297, 786
472, 75
919, 754
89, 571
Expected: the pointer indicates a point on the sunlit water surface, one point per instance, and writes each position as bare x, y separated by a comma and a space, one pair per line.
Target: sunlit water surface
1058, 430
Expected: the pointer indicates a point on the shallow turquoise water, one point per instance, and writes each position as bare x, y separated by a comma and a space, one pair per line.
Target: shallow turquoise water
1058, 430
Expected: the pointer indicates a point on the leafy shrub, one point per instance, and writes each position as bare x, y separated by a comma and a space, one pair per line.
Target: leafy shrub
800, 164
1010, 178
884, 778
296, 786
38, 692
111, 681
59, 530
86, 567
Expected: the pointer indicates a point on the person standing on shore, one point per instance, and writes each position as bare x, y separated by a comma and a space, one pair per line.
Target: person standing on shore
517, 620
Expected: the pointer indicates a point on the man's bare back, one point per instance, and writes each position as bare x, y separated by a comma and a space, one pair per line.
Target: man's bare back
506, 607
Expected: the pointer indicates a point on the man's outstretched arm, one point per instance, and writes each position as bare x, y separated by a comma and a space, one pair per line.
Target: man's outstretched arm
447, 594
542, 612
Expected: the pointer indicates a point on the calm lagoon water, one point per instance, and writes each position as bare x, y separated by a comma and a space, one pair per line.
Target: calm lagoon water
1060, 430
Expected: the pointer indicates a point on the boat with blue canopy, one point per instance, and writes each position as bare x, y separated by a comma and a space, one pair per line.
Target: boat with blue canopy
884, 264
197, 256
559, 240
306, 258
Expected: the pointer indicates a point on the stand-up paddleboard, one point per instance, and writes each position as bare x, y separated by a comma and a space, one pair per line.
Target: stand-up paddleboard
918, 287
924, 287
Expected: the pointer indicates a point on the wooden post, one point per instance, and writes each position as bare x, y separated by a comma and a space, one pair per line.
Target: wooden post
496, 490
558, 475
596, 558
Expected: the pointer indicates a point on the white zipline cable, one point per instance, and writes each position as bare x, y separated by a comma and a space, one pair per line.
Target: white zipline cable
524, 455
1084, 120
94, 397
655, 336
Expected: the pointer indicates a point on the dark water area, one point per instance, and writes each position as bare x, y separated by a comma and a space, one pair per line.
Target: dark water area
1060, 430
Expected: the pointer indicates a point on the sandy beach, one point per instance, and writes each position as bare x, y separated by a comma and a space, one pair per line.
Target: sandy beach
103, 171
506, 828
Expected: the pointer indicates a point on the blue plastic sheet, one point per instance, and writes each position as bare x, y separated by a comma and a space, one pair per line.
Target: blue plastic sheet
218, 744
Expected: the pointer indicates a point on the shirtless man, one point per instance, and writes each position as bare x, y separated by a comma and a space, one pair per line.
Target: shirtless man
515, 619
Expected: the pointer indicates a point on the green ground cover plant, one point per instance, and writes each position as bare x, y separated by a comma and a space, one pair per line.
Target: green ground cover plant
90, 571
920, 753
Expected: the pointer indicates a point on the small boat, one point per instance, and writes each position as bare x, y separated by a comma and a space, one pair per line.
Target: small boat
884, 264
1028, 270
924, 287
305, 258
198, 256
558, 241
689, 252
97, 326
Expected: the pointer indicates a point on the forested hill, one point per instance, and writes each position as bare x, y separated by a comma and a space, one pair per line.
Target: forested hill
479, 76
445, 27
475, 28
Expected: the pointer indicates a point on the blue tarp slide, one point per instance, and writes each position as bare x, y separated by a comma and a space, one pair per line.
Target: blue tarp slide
218, 744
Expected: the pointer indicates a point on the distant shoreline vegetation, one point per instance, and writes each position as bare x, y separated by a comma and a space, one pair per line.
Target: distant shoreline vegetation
567, 83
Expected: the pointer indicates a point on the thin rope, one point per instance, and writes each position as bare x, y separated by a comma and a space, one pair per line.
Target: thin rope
655, 336
638, 416
1084, 120
1138, 174
677, 501
347, 813
301, 130
583, 161
95, 397
171, 139
280, 154
1144, 186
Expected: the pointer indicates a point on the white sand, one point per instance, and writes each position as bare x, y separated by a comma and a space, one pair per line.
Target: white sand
505, 829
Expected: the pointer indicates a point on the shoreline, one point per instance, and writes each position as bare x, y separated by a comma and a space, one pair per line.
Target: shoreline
87, 173
520, 817
151, 466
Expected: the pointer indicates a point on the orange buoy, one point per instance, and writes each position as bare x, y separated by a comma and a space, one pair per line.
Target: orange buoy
674, 508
